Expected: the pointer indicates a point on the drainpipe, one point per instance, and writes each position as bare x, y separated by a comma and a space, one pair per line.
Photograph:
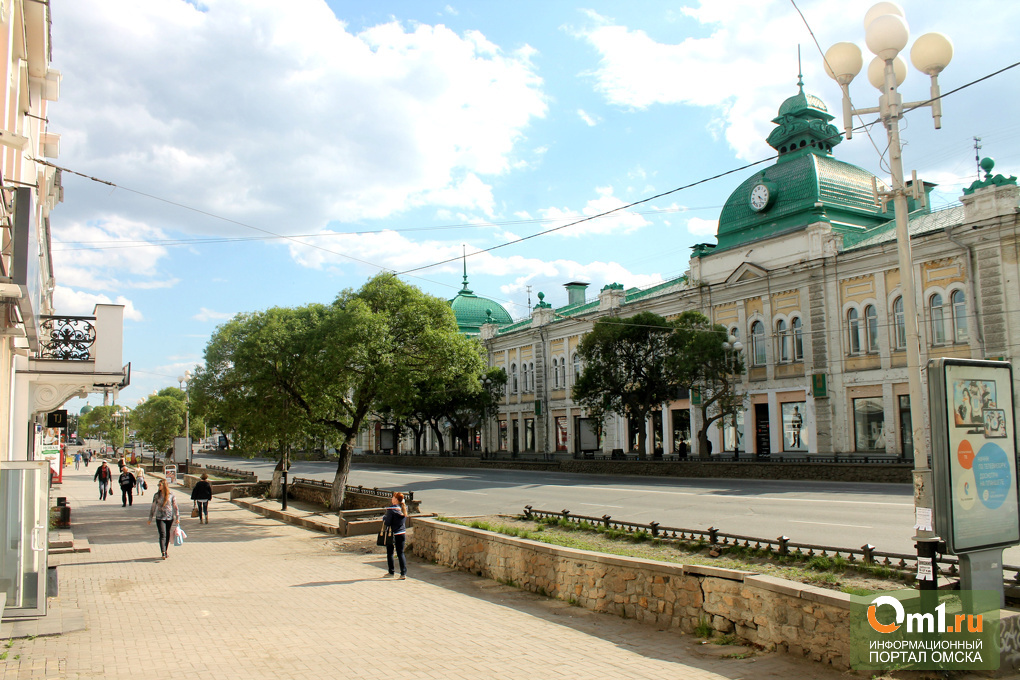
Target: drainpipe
971, 289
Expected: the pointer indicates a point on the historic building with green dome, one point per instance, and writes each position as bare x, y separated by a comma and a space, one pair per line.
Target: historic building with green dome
473, 312
804, 272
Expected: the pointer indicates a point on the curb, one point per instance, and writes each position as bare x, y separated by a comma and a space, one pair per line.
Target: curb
286, 517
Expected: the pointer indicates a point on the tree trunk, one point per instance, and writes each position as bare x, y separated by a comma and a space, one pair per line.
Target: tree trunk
439, 438
643, 438
343, 467
703, 450
276, 486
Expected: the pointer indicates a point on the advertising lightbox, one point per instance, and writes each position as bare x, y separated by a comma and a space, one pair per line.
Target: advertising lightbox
977, 505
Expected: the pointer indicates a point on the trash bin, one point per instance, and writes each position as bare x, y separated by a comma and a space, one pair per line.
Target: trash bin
61, 501
63, 516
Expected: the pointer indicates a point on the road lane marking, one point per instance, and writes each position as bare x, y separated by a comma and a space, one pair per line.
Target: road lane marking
741, 496
601, 505
476, 493
831, 524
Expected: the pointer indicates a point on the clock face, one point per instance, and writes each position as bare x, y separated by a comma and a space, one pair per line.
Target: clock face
760, 197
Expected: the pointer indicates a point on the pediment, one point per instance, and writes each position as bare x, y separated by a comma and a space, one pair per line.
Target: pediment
747, 272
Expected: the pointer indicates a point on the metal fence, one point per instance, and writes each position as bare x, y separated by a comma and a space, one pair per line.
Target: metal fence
374, 491
232, 471
866, 554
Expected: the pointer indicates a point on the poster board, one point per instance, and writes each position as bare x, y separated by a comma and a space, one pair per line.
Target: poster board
588, 431
171, 474
181, 449
977, 504
51, 450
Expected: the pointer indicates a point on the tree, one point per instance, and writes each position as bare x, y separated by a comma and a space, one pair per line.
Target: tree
157, 420
699, 362
625, 369
99, 423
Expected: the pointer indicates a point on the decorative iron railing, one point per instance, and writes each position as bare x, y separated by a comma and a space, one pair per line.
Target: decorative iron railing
231, 471
781, 546
382, 493
67, 338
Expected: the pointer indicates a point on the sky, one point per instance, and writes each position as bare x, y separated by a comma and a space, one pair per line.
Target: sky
272, 153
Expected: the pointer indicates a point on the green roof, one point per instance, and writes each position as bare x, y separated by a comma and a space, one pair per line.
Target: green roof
473, 311
920, 223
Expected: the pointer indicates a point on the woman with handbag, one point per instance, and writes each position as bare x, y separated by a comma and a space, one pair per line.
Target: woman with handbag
395, 520
164, 509
201, 495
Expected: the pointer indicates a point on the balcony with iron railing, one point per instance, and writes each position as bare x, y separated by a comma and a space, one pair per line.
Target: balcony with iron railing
67, 338
83, 345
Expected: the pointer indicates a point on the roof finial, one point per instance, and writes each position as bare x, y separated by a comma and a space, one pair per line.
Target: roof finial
800, 71
464, 288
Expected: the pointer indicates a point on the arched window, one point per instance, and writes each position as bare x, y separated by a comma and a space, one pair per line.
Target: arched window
899, 325
853, 327
871, 327
577, 366
531, 370
526, 378
758, 356
938, 320
798, 339
513, 378
563, 371
959, 301
784, 341
556, 374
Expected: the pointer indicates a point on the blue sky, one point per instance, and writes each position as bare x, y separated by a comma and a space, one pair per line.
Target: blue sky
396, 133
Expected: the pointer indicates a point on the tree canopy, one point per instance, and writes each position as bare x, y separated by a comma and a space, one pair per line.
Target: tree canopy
100, 423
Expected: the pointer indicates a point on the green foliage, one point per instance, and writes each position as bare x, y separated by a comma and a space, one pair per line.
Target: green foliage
704, 628
625, 368
157, 420
100, 423
698, 361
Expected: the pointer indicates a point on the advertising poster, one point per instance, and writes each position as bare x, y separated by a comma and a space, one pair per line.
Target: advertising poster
981, 489
50, 451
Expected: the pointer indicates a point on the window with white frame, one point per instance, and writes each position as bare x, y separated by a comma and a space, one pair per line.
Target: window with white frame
798, 338
959, 302
853, 329
524, 377
531, 370
785, 340
556, 373
871, 327
758, 354
937, 315
563, 371
513, 378
899, 325
577, 366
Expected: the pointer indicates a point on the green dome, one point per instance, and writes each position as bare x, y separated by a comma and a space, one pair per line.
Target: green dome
85, 409
473, 311
805, 185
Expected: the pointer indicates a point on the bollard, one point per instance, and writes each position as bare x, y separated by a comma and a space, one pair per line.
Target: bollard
784, 548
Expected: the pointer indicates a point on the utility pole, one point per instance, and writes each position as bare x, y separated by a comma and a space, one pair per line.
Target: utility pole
529, 296
977, 155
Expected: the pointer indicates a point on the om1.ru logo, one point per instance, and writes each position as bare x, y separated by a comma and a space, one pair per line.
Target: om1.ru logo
932, 622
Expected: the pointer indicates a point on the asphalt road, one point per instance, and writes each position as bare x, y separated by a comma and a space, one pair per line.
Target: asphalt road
827, 513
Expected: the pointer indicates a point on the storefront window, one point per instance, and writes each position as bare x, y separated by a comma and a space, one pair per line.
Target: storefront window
794, 436
869, 424
681, 432
502, 435
561, 433
529, 434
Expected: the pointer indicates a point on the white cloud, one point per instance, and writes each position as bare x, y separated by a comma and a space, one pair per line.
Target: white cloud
618, 222
701, 227
108, 253
69, 301
301, 121
205, 314
737, 59
587, 118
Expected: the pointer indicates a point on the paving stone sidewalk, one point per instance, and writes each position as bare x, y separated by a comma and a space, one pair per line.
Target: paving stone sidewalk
251, 598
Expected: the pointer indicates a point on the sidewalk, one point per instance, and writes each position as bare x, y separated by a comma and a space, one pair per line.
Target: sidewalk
249, 598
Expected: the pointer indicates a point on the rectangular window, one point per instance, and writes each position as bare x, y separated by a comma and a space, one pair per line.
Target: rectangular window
869, 424
784, 345
502, 435
529, 434
733, 432
938, 325
794, 435
561, 433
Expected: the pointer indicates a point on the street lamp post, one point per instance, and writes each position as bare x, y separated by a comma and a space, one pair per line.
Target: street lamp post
184, 380
886, 34
733, 348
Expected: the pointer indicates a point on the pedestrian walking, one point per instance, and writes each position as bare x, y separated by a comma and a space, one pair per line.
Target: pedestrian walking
201, 495
77, 459
164, 510
127, 486
105, 477
396, 519
87, 457
140, 481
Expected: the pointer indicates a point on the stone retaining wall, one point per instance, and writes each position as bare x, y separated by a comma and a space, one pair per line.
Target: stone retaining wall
320, 495
771, 612
895, 473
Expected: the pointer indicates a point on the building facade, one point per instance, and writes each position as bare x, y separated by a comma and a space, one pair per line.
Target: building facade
805, 274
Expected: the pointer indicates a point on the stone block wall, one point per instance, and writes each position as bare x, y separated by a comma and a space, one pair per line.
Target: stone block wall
774, 613
320, 495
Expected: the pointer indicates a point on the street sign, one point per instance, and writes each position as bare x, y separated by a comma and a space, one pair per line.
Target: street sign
977, 504
819, 390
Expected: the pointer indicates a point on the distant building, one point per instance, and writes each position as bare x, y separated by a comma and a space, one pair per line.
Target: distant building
804, 272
